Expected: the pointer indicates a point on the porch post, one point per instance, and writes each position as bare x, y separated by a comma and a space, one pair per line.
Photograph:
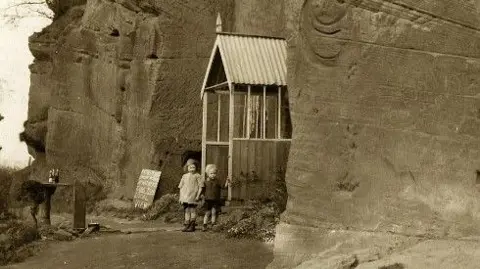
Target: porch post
219, 115
264, 113
204, 132
279, 107
248, 112
230, 138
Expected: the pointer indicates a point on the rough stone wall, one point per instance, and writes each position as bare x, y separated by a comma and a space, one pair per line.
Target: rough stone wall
115, 85
259, 17
115, 88
385, 99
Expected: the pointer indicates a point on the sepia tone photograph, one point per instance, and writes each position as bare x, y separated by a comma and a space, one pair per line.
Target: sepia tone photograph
240, 134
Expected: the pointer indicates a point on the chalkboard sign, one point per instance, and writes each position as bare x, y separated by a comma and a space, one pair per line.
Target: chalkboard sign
146, 188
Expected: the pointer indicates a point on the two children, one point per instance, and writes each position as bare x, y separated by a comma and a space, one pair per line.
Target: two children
192, 186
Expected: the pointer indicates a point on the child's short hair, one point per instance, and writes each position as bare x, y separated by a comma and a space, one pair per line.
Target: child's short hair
210, 167
190, 162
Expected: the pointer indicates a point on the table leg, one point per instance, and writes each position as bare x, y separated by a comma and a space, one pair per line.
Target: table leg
79, 206
47, 205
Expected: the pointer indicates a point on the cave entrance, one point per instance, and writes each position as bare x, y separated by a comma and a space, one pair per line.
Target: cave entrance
246, 119
190, 154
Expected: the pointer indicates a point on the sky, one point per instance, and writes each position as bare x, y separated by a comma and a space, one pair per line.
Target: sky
15, 58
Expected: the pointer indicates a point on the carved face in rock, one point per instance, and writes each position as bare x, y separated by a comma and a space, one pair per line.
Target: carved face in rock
321, 26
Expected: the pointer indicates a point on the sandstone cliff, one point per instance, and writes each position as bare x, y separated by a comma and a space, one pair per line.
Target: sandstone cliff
115, 85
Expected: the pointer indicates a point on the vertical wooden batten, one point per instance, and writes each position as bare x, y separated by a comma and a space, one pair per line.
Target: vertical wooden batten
204, 132
264, 112
249, 90
279, 107
219, 115
231, 118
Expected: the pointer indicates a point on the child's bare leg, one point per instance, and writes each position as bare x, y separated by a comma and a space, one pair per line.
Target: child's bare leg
187, 215
214, 215
193, 214
206, 217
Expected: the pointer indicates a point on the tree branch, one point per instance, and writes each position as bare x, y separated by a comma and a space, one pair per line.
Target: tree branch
26, 8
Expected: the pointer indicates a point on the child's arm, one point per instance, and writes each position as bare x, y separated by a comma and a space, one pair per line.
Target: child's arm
201, 186
227, 183
180, 185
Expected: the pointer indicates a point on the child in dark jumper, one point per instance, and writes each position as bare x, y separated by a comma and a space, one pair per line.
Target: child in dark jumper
211, 192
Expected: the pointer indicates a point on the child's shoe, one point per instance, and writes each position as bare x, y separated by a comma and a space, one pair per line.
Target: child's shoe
191, 227
186, 227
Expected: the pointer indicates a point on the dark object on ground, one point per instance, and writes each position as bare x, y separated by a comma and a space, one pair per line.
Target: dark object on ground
95, 227
87, 232
393, 266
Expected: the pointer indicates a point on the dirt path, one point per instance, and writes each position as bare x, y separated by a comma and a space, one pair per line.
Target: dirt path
152, 250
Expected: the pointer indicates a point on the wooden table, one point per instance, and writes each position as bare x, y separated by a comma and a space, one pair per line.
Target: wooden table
51, 187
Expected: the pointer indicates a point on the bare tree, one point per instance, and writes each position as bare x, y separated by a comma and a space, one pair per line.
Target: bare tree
16, 10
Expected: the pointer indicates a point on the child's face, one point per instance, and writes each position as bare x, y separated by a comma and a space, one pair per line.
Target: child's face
191, 168
212, 174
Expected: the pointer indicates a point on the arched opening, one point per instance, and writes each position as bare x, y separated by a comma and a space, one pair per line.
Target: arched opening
191, 154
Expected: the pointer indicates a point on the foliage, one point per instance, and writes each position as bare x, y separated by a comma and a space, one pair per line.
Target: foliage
5, 182
256, 221
15, 237
258, 217
166, 206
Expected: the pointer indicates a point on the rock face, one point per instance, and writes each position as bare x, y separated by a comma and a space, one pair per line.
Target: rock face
115, 86
385, 99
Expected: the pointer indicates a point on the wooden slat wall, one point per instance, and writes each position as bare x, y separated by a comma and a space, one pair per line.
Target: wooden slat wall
212, 122
265, 158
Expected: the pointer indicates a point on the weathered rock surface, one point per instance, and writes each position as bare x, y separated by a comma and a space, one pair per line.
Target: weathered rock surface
426, 254
432, 254
335, 262
115, 86
385, 99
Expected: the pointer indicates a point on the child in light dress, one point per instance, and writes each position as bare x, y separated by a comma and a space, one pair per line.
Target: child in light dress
190, 187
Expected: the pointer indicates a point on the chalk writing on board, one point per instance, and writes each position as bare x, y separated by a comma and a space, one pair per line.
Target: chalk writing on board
146, 188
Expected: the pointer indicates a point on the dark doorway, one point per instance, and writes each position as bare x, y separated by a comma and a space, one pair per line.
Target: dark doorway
190, 154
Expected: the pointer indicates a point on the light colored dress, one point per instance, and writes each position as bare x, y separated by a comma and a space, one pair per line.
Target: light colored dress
189, 186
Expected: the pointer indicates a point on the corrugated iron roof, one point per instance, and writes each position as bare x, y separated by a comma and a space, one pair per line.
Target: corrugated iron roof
249, 59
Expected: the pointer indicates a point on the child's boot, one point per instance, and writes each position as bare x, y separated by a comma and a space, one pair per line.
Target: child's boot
205, 228
191, 227
186, 227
